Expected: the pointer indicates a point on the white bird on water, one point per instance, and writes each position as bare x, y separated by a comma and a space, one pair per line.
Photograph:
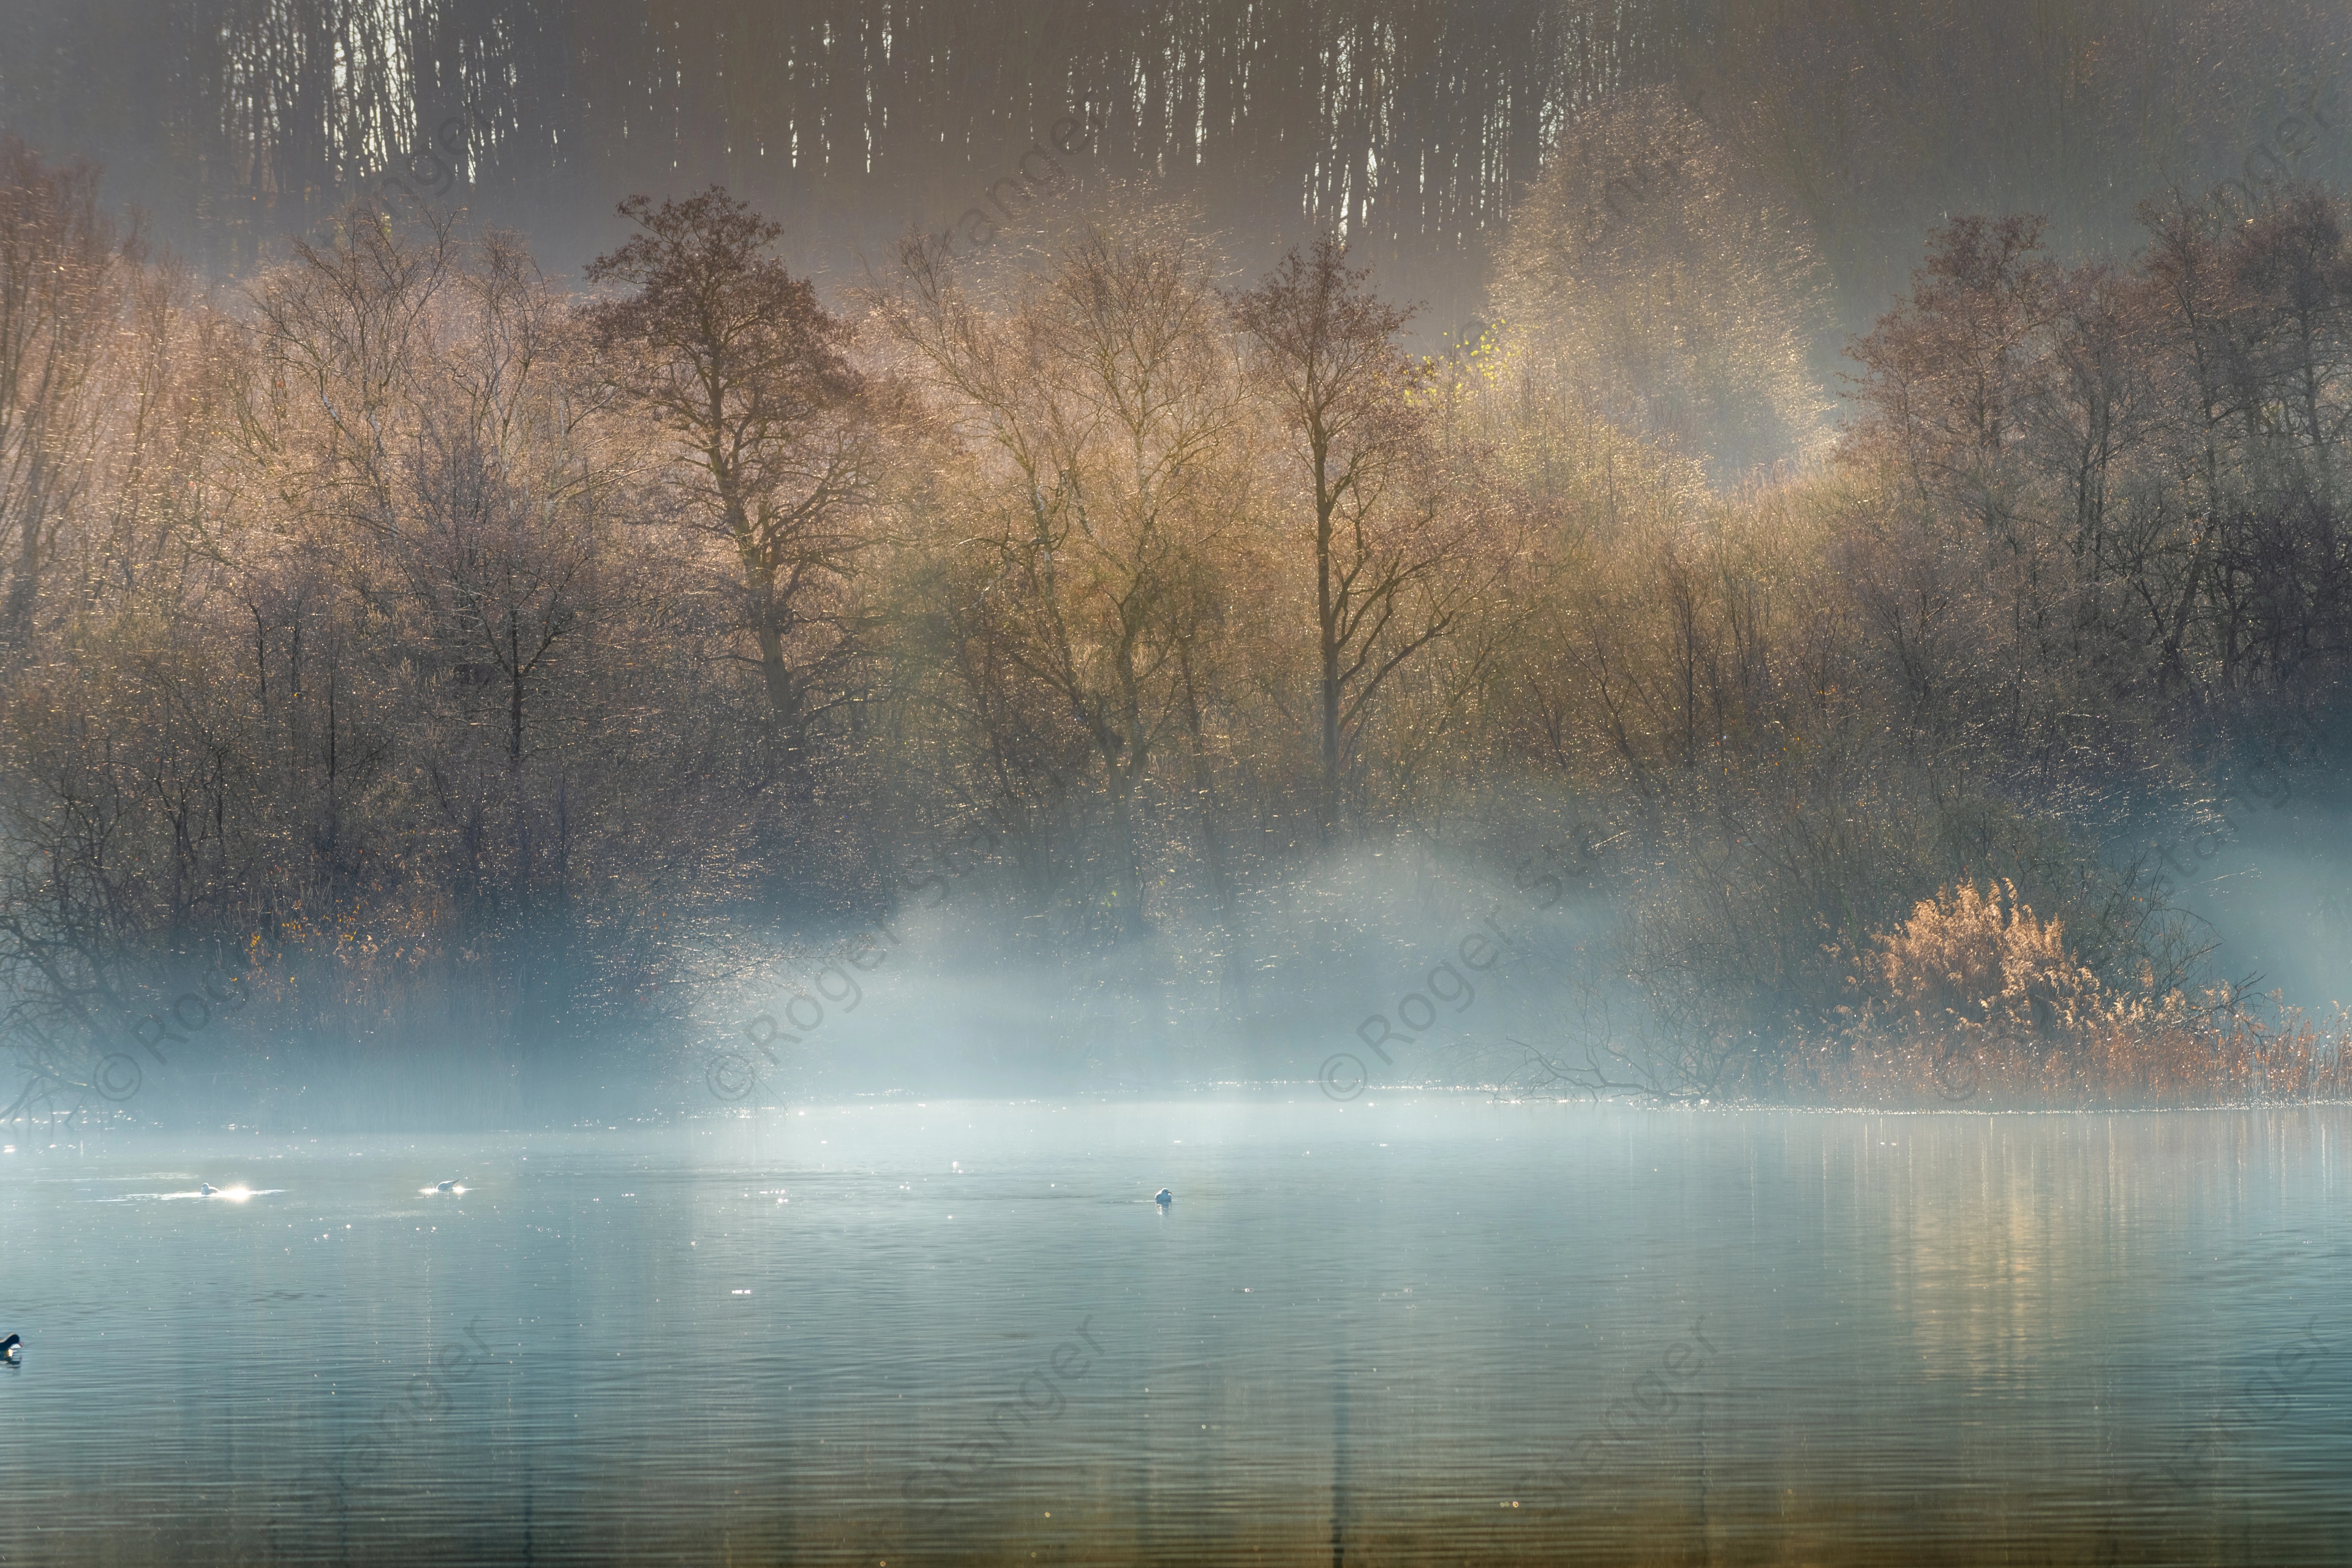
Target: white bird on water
206, 1190
1163, 1197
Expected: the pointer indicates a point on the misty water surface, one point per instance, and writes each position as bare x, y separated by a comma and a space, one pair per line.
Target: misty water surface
1424, 1329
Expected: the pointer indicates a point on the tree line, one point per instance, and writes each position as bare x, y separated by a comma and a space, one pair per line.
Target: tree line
474, 662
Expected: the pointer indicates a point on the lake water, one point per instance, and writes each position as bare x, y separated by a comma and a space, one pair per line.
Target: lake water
1426, 1329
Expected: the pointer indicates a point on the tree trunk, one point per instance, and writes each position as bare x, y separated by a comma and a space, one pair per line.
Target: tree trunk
1327, 617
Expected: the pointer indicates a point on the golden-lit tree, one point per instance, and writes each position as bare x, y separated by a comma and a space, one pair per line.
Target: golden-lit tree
1101, 391
60, 297
1385, 543
769, 432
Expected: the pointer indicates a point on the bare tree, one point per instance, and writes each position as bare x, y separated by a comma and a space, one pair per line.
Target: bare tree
1107, 395
1325, 356
771, 430
509, 496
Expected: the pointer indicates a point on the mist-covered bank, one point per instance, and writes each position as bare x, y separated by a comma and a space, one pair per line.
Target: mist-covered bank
1400, 972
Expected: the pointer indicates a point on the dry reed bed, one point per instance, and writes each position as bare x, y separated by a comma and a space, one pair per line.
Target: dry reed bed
1977, 1001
